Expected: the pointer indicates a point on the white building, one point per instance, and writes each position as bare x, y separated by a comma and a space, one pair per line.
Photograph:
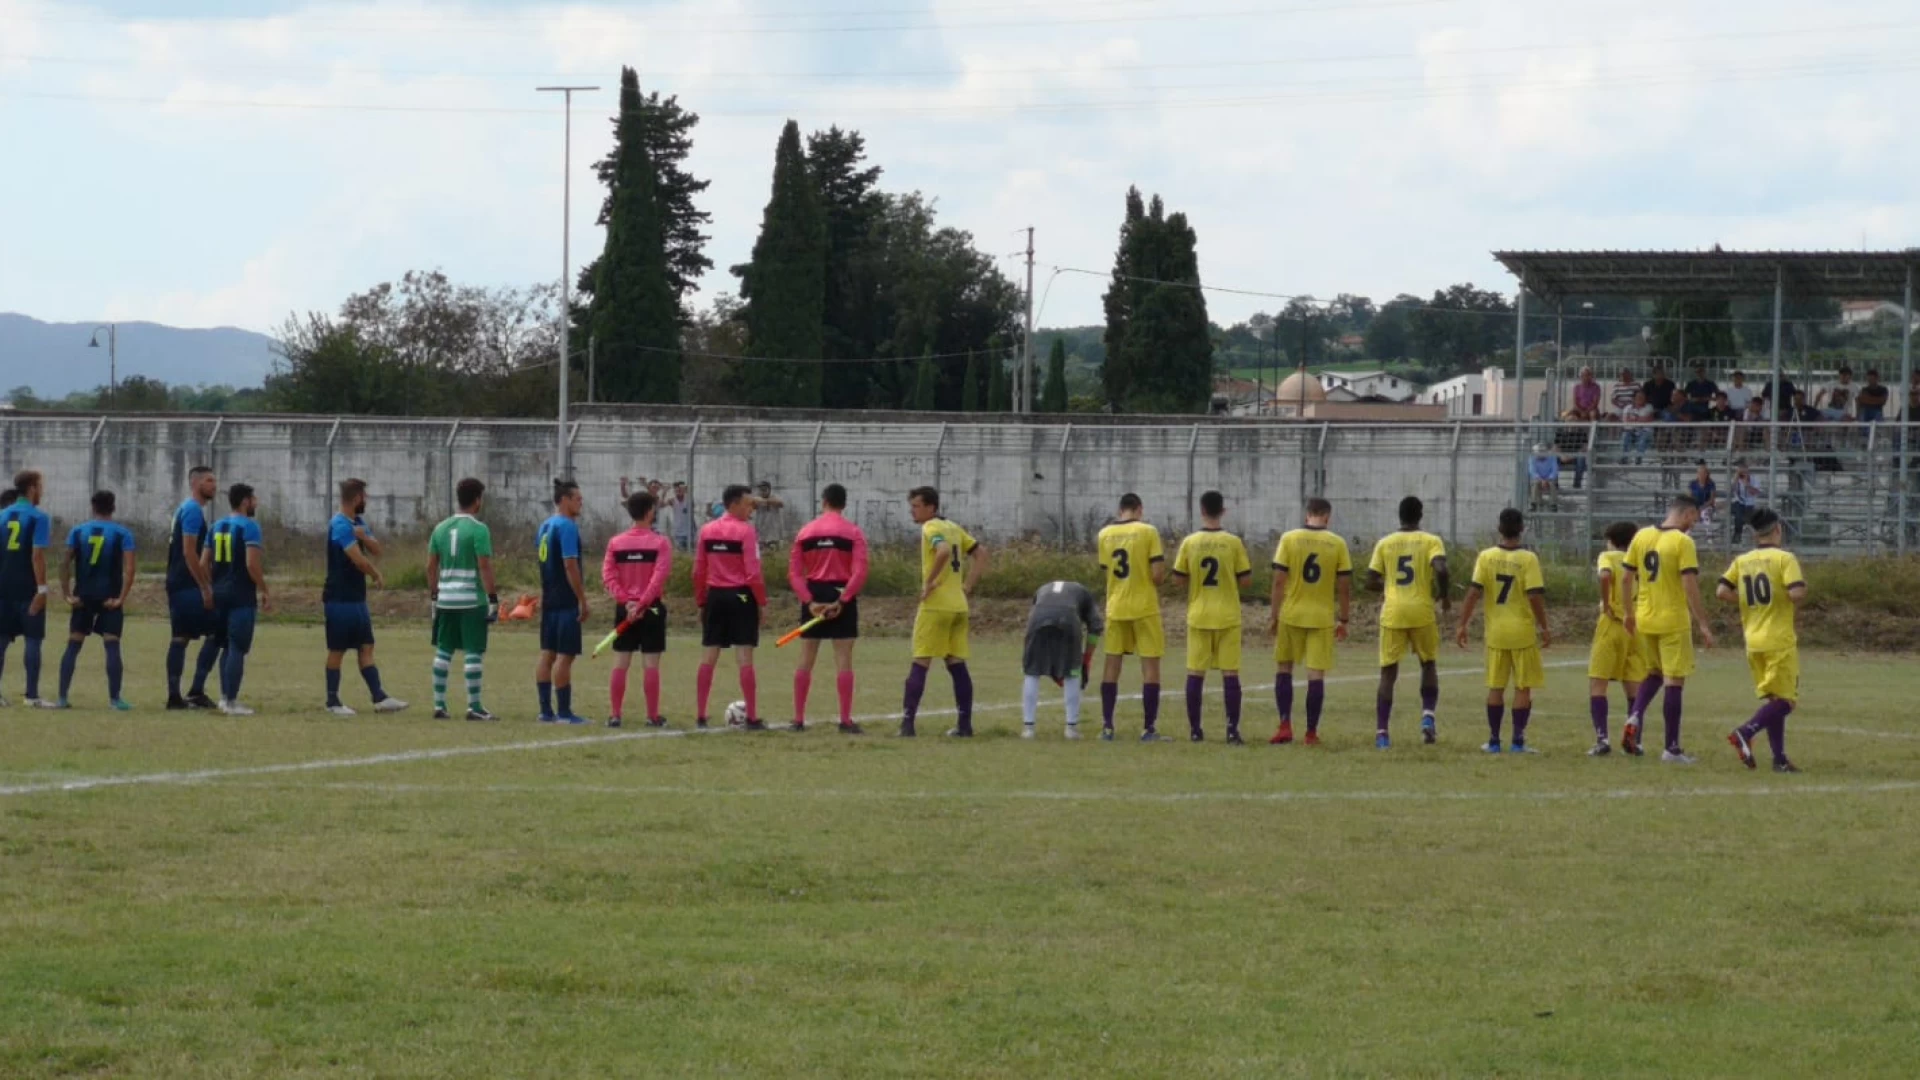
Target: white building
1367, 386
1490, 393
1861, 312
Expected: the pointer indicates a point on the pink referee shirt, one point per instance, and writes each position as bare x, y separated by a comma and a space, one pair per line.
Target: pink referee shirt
830, 551
727, 556
636, 567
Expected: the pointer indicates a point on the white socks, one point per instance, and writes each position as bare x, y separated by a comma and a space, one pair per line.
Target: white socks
1030, 700
1073, 700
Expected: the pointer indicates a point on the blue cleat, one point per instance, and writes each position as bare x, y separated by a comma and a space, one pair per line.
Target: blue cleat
1381, 742
548, 718
122, 705
1428, 731
1492, 747
571, 720
1519, 747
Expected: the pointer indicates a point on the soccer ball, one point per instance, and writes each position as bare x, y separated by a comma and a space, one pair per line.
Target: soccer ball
737, 714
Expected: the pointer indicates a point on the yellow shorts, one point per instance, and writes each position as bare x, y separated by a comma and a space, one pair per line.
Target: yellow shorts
1521, 667
1617, 656
1424, 641
1213, 650
1776, 674
1136, 637
1309, 647
940, 633
1669, 654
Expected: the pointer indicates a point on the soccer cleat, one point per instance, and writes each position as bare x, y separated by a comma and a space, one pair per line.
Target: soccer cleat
479, 714
201, 701
1026, 731
1152, 736
1518, 747
61, 704
960, 733
848, 728
1312, 739
755, 725
906, 729
120, 705
1630, 738
571, 720
1283, 736
1785, 767
797, 727
441, 713
341, 710
1381, 742
1106, 734
547, 718
389, 704
657, 722
1600, 749
1072, 733
174, 704
1492, 747
234, 708
1197, 735
1429, 731
701, 723
1743, 748
1676, 757
44, 703
613, 721
1233, 737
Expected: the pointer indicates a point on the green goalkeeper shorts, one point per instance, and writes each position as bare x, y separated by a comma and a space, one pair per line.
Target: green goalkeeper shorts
461, 630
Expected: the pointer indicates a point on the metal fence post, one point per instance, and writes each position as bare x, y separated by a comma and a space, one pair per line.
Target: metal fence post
693, 490
1320, 462
813, 461
1453, 486
453, 486
93, 456
1193, 447
1586, 535
326, 500
1066, 439
1873, 495
939, 451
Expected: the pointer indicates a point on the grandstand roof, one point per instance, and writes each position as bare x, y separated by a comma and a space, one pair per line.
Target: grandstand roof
1838, 275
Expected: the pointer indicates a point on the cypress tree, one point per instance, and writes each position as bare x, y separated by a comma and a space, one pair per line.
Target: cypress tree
1053, 398
970, 384
999, 390
927, 377
1159, 345
634, 315
784, 286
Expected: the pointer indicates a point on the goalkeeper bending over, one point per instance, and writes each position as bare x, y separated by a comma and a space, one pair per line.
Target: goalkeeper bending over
1062, 632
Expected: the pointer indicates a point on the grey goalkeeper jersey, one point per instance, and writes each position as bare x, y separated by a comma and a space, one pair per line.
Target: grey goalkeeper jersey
1063, 603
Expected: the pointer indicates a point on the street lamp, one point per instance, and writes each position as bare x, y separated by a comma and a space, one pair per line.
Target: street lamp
1586, 329
566, 265
113, 357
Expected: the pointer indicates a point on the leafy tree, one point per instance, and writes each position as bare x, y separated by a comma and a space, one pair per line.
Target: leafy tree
663, 131
1389, 334
1159, 344
138, 393
925, 385
999, 387
970, 384
1459, 328
784, 286
854, 312
634, 314
1053, 399
1709, 333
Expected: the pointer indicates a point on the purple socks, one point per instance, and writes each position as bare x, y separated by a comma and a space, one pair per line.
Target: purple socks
1670, 709
1429, 697
1196, 685
1150, 700
1316, 697
1494, 715
1772, 718
1599, 707
1232, 685
1109, 697
962, 693
1283, 695
916, 686
1644, 700
1382, 712
1520, 718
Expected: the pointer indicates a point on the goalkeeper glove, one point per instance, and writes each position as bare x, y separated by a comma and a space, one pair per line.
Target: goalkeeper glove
493, 607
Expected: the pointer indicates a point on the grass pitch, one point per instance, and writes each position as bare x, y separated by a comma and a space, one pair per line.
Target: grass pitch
294, 895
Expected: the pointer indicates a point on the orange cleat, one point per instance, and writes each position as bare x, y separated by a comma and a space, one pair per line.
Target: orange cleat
1312, 739
1283, 736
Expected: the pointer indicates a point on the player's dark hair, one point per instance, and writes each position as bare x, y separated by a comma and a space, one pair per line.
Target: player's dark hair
199, 471
1318, 507
103, 503
1683, 502
733, 494
352, 487
1763, 522
238, 494
834, 496
563, 489
8, 497
1129, 501
1213, 504
1412, 510
467, 492
1620, 533
25, 479
927, 495
1512, 523
640, 504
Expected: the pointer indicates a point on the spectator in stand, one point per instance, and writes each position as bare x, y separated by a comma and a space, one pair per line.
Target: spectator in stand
1722, 410
1755, 421
1621, 396
1784, 397
1586, 397
1638, 436
1700, 388
1543, 474
1744, 495
1739, 394
1695, 410
682, 516
1870, 405
1660, 390
1836, 401
1704, 491
770, 516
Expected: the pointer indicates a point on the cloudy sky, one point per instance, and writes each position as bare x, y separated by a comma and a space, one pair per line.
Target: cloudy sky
226, 162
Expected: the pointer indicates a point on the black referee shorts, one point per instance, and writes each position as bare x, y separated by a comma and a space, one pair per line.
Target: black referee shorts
648, 636
844, 627
732, 621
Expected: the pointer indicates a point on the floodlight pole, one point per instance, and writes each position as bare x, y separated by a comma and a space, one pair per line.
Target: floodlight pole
1773, 413
1520, 395
1906, 408
565, 450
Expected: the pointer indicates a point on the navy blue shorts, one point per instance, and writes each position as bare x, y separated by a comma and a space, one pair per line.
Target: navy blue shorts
236, 628
560, 632
349, 626
189, 615
16, 623
94, 617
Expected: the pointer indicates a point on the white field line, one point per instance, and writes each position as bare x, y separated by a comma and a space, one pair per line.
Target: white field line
1792, 727
846, 795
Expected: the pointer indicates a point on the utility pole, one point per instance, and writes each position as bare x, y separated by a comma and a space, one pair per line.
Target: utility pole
590, 341
113, 359
566, 267
1023, 398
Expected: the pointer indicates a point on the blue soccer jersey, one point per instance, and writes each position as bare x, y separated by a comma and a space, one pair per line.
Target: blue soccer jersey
559, 540
346, 584
23, 528
189, 520
99, 559
232, 585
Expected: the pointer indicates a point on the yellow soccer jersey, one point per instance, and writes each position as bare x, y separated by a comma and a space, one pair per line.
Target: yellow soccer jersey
1506, 576
1404, 560
1313, 559
1662, 557
1762, 577
1614, 564
943, 542
1212, 561
1128, 551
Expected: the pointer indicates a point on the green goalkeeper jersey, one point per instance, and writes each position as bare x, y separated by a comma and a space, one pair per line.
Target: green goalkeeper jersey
461, 542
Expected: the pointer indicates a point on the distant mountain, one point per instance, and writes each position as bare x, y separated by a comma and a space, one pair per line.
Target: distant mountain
53, 358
